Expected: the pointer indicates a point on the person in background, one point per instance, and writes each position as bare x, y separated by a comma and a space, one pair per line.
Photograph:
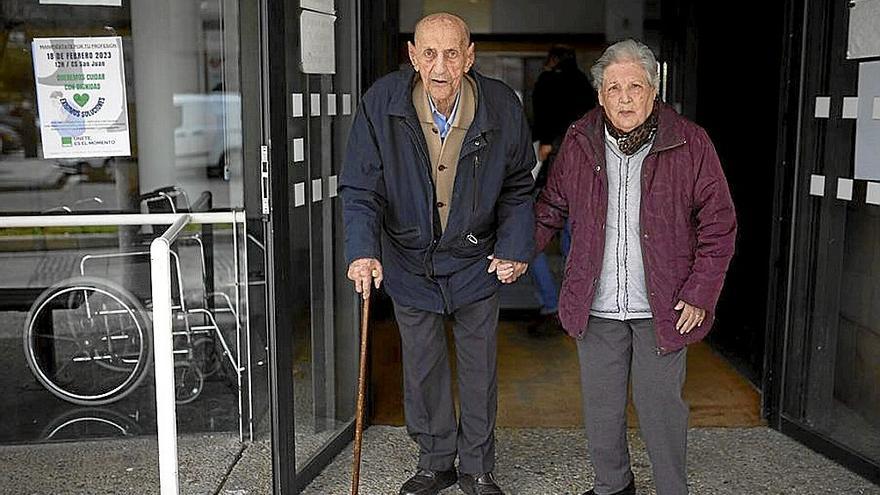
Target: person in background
562, 95
653, 231
437, 194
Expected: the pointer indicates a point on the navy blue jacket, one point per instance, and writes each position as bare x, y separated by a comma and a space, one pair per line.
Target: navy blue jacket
389, 200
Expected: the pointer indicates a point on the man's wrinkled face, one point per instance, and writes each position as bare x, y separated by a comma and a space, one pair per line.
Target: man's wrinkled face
626, 95
441, 56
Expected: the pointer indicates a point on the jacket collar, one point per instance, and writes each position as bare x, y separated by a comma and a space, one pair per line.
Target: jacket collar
670, 129
401, 103
464, 114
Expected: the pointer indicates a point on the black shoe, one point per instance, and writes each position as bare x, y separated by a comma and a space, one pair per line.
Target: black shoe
479, 484
629, 490
427, 482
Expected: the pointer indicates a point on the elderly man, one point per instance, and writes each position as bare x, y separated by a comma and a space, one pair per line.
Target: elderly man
653, 230
436, 192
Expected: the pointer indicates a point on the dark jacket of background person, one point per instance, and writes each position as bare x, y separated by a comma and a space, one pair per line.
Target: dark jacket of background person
389, 201
687, 222
561, 96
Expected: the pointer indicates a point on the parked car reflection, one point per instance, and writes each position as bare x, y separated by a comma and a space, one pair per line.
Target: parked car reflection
209, 134
93, 167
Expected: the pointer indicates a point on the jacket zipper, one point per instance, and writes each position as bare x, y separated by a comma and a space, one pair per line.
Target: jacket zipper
427, 168
470, 237
476, 183
659, 349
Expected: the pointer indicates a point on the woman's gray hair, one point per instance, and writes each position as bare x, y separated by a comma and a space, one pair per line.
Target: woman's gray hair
628, 50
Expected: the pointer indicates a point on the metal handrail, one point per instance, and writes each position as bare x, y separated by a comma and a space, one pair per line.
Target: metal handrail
117, 219
163, 354
160, 274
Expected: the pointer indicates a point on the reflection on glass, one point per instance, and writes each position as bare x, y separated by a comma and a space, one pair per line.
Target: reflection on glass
79, 297
856, 408
82, 423
324, 312
184, 107
324, 371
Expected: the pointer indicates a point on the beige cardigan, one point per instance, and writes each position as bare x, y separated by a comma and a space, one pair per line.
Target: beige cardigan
444, 153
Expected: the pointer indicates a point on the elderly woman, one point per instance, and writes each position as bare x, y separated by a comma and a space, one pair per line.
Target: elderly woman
653, 230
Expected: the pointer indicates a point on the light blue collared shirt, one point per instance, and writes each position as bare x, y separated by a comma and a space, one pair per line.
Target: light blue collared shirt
444, 125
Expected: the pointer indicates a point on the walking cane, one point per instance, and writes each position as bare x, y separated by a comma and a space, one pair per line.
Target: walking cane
359, 413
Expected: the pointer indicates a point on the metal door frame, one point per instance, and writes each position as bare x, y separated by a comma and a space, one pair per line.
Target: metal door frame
279, 75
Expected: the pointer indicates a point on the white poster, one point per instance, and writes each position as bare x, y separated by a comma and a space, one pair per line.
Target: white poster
867, 156
317, 33
323, 6
81, 97
864, 37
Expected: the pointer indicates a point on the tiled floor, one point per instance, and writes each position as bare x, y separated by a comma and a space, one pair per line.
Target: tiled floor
540, 461
535, 461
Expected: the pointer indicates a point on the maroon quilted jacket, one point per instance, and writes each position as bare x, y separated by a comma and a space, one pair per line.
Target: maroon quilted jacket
687, 222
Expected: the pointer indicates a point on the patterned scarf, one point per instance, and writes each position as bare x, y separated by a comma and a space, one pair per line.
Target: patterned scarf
632, 141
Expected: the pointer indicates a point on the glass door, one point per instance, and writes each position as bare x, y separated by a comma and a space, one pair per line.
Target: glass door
315, 318
127, 108
830, 370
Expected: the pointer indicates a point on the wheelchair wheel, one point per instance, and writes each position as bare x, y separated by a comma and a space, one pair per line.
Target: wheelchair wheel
88, 341
93, 422
205, 356
188, 382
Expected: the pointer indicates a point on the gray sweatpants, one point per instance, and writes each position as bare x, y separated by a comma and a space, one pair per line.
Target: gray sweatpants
427, 385
610, 352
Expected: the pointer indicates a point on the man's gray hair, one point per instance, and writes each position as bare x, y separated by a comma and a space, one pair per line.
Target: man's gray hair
628, 50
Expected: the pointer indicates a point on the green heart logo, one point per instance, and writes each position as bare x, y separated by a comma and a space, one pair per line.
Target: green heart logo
81, 99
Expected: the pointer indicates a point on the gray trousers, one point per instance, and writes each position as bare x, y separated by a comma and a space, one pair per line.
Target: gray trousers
427, 385
610, 352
